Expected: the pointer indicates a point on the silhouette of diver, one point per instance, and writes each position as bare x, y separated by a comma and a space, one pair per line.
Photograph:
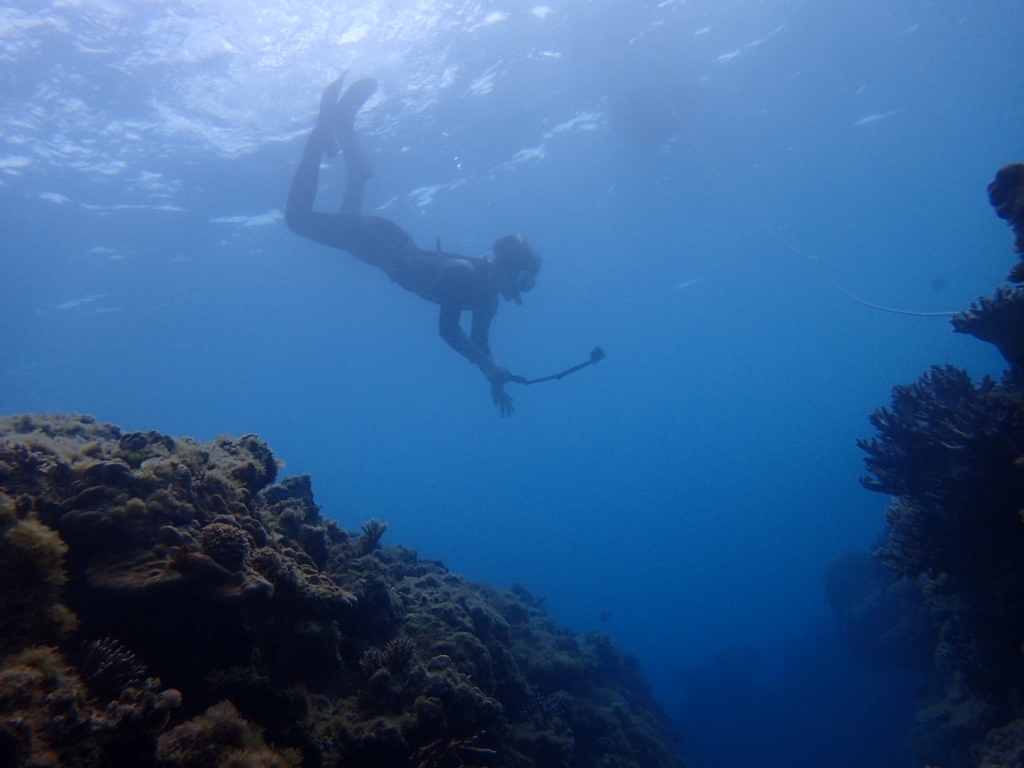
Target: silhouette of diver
456, 283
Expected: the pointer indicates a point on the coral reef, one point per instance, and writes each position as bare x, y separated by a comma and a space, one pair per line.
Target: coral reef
951, 452
165, 603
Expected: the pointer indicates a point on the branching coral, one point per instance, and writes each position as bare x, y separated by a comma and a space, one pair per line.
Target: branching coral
108, 667
947, 449
373, 529
456, 753
395, 655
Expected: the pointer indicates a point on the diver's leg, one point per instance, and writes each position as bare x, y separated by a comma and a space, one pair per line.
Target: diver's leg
307, 175
356, 161
304, 185
371, 239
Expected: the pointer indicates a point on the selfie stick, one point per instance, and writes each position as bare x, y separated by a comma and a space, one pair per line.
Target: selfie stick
596, 356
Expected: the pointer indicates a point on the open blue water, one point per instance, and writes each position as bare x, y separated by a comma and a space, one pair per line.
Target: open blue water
687, 494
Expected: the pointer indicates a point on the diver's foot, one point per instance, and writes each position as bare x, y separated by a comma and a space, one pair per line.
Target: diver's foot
328, 102
348, 106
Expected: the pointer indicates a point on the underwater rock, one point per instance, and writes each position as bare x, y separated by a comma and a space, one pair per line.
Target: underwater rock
199, 615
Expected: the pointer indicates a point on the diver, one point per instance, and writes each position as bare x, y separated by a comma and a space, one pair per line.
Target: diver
456, 283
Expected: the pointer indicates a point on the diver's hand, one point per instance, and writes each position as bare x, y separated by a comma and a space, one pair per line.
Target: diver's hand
501, 398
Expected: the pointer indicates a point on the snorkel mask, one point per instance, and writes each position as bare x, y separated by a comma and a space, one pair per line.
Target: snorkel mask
514, 254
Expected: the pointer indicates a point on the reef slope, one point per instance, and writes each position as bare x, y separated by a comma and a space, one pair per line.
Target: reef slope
167, 603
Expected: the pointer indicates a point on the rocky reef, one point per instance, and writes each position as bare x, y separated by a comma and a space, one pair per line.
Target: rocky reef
950, 450
167, 603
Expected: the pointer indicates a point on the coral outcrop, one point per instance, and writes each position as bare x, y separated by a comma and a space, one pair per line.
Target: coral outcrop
998, 320
1006, 194
951, 452
164, 603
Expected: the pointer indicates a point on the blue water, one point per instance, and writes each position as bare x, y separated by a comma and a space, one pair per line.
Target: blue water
687, 494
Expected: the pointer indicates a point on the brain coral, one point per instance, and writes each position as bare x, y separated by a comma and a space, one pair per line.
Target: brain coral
229, 545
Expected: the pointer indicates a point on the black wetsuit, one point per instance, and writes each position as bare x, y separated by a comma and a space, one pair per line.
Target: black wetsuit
456, 283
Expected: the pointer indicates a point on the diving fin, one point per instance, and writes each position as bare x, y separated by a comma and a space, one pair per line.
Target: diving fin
348, 106
328, 103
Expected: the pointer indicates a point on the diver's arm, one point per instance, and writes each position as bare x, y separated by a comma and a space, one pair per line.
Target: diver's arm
459, 283
480, 329
452, 333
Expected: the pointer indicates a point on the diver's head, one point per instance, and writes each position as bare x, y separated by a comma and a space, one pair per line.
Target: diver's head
517, 266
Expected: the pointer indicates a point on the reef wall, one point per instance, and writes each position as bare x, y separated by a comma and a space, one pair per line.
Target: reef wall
165, 603
950, 450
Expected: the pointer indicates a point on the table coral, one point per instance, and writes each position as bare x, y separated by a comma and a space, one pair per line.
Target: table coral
998, 320
222, 620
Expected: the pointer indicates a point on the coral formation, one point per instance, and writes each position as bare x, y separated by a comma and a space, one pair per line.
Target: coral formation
373, 530
998, 320
1006, 194
47, 717
166, 604
951, 452
221, 737
31, 579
